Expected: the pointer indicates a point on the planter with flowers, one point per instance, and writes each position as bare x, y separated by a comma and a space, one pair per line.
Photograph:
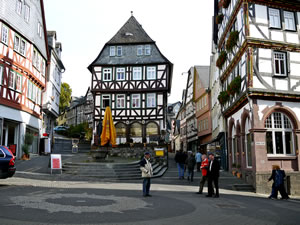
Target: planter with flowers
232, 40
221, 59
223, 97
219, 18
226, 3
234, 86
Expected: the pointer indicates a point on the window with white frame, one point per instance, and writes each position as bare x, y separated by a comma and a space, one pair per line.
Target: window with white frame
137, 73
18, 82
151, 73
274, 18
33, 97
34, 57
107, 74
19, 7
136, 101
279, 135
37, 64
120, 101
4, 35
105, 101
140, 50
17, 43
120, 74
1, 74
119, 50
147, 50
280, 63
27, 13
112, 51
22, 47
151, 100
289, 20
11, 79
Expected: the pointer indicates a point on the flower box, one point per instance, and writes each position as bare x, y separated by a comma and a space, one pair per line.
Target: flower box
232, 40
221, 59
226, 3
219, 18
223, 97
235, 85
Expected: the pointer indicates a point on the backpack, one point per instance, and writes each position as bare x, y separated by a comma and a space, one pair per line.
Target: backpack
278, 178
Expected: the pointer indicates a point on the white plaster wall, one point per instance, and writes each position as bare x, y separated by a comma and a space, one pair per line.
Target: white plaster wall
295, 56
257, 83
292, 38
266, 53
281, 84
276, 35
238, 115
295, 69
262, 104
254, 32
265, 66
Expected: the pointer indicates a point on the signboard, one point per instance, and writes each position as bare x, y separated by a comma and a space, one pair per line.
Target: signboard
259, 143
56, 163
159, 151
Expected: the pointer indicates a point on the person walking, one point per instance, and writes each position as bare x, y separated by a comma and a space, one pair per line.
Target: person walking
204, 168
180, 159
278, 176
147, 173
191, 162
198, 160
213, 176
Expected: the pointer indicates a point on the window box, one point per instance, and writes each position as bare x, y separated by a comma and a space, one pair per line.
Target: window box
219, 18
235, 85
232, 40
221, 59
223, 97
226, 3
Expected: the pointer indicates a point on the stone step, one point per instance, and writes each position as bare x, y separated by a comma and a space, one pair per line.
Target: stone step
242, 187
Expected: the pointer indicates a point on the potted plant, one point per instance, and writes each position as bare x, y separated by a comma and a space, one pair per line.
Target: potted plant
219, 18
232, 40
233, 169
238, 174
226, 3
223, 97
221, 59
235, 85
28, 140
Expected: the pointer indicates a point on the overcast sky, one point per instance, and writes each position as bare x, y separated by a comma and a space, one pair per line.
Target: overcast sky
182, 30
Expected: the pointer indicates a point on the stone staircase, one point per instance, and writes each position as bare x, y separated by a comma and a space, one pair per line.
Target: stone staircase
112, 171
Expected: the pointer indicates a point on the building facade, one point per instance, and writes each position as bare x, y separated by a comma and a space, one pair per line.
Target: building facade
258, 47
132, 77
172, 112
23, 61
51, 94
202, 106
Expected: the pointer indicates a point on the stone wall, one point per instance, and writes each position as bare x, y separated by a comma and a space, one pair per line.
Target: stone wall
292, 183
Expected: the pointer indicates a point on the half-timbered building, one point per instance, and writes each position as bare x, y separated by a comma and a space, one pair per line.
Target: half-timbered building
23, 58
133, 77
258, 45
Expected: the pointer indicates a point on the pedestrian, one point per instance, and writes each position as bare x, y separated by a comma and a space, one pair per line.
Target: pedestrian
198, 160
190, 162
278, 176
213, 176
204, 168
147, 173
180, 159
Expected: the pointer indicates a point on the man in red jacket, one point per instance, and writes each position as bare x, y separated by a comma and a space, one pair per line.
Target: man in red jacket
204, 168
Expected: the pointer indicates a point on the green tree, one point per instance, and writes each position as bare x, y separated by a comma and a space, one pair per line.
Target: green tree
65, 96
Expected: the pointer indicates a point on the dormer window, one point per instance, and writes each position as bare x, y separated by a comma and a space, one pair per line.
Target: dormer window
147, 50
140, 50
19, 7
119, 50
112, 51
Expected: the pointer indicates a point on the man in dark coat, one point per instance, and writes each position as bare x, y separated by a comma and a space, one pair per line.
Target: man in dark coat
213, 176
180, 159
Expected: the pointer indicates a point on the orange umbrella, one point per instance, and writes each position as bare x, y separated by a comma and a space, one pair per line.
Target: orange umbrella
108, 129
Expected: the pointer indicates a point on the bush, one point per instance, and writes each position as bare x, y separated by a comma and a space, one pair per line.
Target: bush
223, 97
28, 139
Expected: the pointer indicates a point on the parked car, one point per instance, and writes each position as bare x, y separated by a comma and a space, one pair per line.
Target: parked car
7, 163
60, 128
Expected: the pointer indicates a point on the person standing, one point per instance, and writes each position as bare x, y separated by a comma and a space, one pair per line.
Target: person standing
204, 168
213, 176
180, 159
278, 176
198, 160
147, 173
191, 162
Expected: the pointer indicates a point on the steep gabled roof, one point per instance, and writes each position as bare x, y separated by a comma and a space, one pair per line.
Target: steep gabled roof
203, 75
131, 33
